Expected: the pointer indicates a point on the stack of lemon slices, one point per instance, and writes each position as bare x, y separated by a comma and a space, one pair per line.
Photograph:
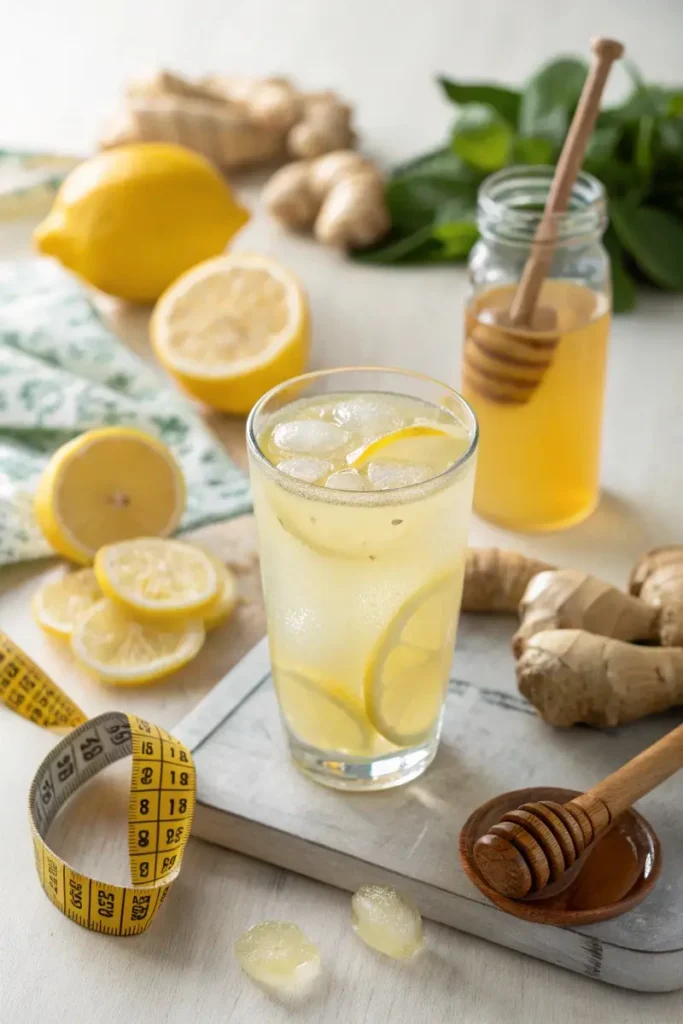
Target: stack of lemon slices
111, 497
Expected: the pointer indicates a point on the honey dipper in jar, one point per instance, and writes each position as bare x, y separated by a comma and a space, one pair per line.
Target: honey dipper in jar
536, 330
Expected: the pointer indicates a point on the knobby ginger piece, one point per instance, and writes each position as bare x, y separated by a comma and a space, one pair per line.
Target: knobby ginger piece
235, 121
495, 580
324, 127
571, 599
572, 676
340, 195
273, 103
222, 133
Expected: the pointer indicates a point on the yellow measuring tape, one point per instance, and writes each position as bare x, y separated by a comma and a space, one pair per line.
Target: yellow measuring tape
160, 810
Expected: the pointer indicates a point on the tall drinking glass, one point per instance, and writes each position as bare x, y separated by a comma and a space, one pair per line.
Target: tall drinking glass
362, 482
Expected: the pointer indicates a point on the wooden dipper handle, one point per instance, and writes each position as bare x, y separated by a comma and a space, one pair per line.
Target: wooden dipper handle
605, 52
639, 776
539, 842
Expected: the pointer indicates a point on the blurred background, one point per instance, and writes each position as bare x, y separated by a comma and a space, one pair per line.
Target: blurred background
63, 65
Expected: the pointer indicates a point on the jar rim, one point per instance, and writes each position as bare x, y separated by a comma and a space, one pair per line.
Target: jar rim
510, 205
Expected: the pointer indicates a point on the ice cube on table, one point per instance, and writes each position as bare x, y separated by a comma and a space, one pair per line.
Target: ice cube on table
384, 475
348, 480
278, 954
387, 921
307, 469
368, 417
309, 437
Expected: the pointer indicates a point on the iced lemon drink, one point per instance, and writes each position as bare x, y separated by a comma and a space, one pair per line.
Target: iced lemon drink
362, 483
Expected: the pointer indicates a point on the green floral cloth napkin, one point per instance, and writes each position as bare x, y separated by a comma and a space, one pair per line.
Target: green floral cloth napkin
29, 181
62, 371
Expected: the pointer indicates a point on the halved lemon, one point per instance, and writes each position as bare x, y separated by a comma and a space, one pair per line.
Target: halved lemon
225, 601
232, 328
157, 578
407, 673
119, 649
105, 486
61, 602
322, 713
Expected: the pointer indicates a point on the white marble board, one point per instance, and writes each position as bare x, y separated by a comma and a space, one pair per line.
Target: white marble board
252, 800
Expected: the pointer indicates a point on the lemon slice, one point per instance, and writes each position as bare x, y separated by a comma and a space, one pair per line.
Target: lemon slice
121, 650
322, 714
232, 328
361, 456
108, 485
407, 674
225, 601
158, 578
427, 446
60, 603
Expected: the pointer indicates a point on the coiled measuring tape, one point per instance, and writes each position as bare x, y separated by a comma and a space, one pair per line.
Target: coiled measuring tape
160, 810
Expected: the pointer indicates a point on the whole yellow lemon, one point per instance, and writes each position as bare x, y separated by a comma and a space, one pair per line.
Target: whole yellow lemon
130, 220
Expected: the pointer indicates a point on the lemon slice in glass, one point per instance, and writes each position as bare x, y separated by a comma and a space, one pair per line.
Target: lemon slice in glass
407, 674
119, 649
401, 445
105, 486
322, 714
157, 578
61, 602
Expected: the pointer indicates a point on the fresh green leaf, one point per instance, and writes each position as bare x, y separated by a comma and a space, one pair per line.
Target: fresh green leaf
458, 238
411, 248
417, 201
650, 99
602, 145
440, 163
645, 137
550, 98
505, 101
636, 151
654, 238
669, 143
481, 137
458, 209
634, 73
623, 285
533, 151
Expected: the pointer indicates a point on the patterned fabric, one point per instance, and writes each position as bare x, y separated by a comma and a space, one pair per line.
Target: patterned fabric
28, 181
62, 371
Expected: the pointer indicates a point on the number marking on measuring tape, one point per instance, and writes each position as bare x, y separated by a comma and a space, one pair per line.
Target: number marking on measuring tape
160, 810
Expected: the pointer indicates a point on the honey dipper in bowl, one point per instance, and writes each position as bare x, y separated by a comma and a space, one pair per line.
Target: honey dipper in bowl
538, 848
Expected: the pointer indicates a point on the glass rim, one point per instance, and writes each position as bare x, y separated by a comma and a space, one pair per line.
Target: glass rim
336, 495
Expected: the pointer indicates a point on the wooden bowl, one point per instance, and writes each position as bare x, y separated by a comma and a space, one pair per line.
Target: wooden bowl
615, 876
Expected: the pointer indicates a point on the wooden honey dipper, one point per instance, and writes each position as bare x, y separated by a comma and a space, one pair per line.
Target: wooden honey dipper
508, 365
535, 846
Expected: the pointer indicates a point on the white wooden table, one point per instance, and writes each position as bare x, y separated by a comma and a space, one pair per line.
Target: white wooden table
61, 68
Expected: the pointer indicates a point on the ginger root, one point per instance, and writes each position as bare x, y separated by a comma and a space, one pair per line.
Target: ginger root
570, 599
657, 577
495, 580
271, 102
221, 133
234, 121
324, 127
340, 196
572, 676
